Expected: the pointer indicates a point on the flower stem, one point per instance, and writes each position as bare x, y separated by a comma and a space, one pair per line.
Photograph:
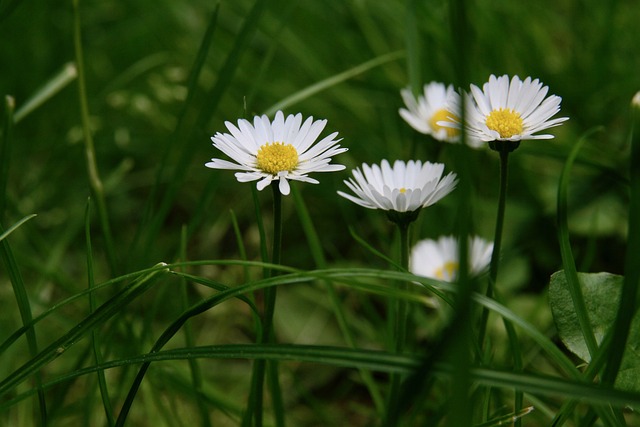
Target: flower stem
400, 316
267, 326
495, 256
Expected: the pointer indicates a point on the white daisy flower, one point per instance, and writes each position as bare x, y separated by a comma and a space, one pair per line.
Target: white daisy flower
406, 187
438, 259
281, 150
424, 113
506, 110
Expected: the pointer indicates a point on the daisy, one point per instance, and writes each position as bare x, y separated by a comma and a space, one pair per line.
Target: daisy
280, 151
438, 259
506, 110
424, 113
406, 187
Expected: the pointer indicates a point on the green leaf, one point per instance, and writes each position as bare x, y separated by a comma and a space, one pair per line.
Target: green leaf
602, 296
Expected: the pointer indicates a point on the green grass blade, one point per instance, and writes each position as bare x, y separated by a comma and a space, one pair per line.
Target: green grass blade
315, 247
332, 81
98, 317
194, 366
15, 226
568, 262
90, 153
46, 92
96, 338
5, 151
628, 297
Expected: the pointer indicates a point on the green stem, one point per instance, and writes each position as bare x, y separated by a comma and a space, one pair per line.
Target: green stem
92, 167
400, 318
497, 240
267, 324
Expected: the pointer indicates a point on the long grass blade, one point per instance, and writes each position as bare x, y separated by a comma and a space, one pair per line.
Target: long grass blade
96, 338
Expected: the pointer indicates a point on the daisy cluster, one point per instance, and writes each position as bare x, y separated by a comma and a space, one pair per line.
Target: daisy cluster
504, 111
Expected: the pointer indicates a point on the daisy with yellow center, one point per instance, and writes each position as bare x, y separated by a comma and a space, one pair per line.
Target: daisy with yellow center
282, 150
506, 110
425, 112
438, 259
405, 187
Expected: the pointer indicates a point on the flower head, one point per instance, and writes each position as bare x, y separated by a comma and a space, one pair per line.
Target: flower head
425, 112
506, 110
281, 150
438, 259
406, 187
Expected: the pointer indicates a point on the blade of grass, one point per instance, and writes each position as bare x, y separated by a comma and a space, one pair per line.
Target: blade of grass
225, 76
15, 226
96, 340
628, 297
194, 366
95, 183
58, 82
13, 271
317, 253
568, 262
98, 317
332, 81
372, 360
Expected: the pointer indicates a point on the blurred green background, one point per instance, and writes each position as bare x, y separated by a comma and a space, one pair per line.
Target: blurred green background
151, 125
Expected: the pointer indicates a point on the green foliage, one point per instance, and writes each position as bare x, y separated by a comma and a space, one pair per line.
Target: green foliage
152, 297
601, 293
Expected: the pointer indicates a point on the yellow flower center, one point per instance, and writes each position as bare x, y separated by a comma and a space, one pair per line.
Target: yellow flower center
277, 157
447, 271
443, 115
505, 121
403, 190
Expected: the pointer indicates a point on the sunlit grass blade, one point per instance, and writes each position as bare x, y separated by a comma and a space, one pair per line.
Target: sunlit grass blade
96, 339
375, 360
507, 419
568, 262
98, 317
16, 225
332, 81
50, 89
95, 182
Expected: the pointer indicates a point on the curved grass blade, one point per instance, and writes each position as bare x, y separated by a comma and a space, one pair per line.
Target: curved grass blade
98, 317
332, 81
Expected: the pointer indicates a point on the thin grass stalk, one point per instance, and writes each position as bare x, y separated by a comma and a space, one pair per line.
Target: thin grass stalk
401, 318
194, 366
631, 281
5, 150
192, 89
568, 262
13, 271
95, 183
458, 345
96, 340
319, 259
223, 82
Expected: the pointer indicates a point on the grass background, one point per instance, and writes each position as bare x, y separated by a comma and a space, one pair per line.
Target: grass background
151, 122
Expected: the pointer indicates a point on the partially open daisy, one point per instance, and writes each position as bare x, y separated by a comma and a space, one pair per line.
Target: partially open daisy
424, 113
281, 150
438, 259
406, 187
506, 110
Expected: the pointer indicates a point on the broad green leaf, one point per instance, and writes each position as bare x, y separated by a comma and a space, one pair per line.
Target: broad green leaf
601, 293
